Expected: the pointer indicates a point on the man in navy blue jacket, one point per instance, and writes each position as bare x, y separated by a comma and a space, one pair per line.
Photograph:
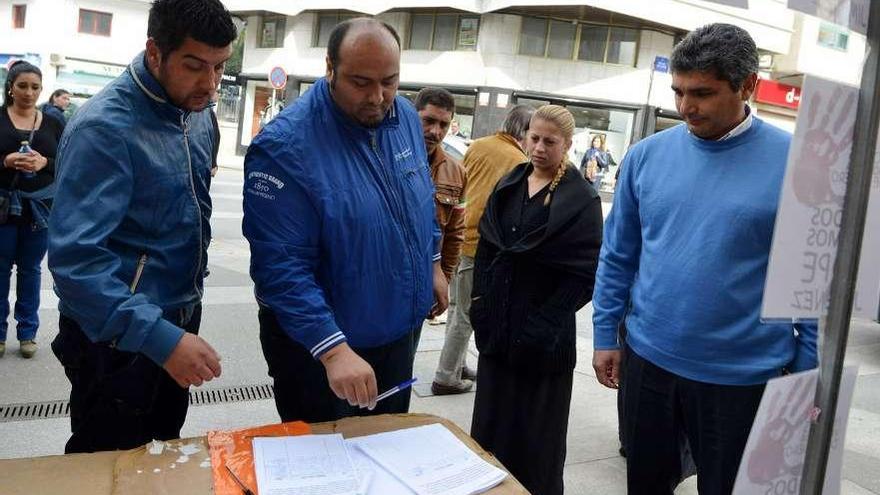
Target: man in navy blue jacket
129, 234
339, 213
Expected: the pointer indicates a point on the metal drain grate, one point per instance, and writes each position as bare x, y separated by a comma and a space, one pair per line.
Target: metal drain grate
197, 397
34, 410
231, 394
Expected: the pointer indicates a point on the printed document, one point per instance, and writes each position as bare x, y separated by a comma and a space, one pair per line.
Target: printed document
304, 465
431, 461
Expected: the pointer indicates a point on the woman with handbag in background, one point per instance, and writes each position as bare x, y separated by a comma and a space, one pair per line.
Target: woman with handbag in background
534, 268
28, 142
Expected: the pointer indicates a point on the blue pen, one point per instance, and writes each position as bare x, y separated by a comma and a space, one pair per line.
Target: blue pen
403, 386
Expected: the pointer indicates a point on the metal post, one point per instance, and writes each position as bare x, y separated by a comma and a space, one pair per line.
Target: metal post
843, 281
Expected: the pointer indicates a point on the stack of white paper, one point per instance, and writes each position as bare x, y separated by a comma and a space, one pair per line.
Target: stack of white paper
426, 460
430, 460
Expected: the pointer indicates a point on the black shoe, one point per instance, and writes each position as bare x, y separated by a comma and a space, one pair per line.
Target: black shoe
468, 373
460, 388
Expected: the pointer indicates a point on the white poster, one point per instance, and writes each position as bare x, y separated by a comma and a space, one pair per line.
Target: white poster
773, 460
850, 13
808, 221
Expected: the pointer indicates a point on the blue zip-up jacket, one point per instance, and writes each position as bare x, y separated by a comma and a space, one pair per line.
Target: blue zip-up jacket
340, 220
129, 231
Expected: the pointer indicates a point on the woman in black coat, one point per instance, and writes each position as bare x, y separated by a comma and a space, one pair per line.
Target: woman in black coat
534, 268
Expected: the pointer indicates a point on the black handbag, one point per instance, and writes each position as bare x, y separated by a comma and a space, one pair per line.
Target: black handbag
5, 200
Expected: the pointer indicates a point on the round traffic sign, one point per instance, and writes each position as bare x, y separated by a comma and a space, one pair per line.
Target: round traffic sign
277, 77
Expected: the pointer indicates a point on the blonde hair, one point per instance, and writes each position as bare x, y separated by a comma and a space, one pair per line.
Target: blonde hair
564, 121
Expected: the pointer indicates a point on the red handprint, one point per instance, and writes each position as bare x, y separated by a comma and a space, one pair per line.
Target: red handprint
768, 460
823, 146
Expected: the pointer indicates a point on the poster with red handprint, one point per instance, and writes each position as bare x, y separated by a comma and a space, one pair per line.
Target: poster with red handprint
810, 212
773, 460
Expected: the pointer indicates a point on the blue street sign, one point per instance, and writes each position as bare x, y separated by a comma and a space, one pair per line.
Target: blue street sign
661, 64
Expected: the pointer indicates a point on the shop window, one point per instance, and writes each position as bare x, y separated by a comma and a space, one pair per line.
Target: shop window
93, 22
831, 36
443, 32
18, 16
325, 25
272, 31
615, 126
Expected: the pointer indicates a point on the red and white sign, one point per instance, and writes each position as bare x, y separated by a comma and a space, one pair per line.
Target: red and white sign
278, 77
776, 93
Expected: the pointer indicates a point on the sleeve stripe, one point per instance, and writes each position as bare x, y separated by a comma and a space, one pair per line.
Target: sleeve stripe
327, 343
437, 257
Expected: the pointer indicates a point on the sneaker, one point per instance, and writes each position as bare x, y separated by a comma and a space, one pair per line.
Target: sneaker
27, 348
2, 348
439, 320
460, 388
468, 373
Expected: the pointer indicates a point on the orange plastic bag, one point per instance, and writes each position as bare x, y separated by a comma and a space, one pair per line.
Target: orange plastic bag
235, 449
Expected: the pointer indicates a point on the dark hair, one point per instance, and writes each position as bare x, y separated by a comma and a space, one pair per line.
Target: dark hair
57, 93
17, 68
725, 50
206, 21
517, 122
337, 36
438, 97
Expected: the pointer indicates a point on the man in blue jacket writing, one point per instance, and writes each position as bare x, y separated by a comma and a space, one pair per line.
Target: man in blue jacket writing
129, 234
339, 213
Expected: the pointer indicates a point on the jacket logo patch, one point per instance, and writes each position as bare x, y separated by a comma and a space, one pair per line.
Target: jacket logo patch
403, 155
261, 184
279, 184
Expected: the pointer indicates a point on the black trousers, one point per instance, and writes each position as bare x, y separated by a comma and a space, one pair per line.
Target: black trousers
120, 400
659, 406
302, 391
521, 417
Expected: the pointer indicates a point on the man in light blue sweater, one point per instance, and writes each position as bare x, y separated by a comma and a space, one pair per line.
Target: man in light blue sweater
683, 263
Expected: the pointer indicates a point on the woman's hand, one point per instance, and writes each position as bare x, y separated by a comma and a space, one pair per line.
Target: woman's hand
12, 159
30, 162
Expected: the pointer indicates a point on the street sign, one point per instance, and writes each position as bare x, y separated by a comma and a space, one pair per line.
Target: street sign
277, 77
661, 64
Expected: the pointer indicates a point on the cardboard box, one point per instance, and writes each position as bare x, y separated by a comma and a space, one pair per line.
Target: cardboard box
138, 471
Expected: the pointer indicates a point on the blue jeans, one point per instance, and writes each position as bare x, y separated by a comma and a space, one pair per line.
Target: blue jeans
24, 247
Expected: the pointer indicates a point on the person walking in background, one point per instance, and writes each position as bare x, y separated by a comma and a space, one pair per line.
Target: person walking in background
129, 234
596, 161
536, 262
683, 265
339, 215
485, 162
28, 146
57, 105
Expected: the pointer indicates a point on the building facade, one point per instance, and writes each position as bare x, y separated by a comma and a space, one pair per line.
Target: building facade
79, 45
596, 57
